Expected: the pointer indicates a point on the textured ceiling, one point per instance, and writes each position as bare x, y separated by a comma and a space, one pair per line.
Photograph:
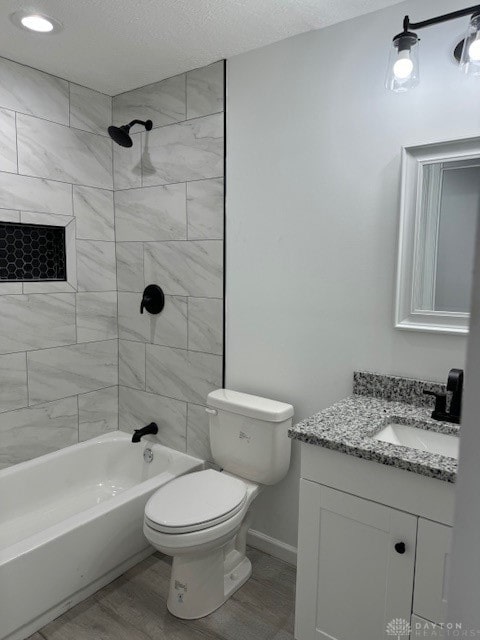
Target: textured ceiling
117, 45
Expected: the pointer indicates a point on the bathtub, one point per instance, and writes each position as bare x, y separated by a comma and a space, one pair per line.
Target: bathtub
71, 521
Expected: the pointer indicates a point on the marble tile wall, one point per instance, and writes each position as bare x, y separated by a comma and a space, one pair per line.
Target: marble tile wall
58, 341
149, 214
169, 208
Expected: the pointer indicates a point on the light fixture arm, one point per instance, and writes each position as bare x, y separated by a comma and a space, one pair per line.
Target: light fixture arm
444, 18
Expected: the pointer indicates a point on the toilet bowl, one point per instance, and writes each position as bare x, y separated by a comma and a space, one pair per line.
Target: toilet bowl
207, 545
202, 519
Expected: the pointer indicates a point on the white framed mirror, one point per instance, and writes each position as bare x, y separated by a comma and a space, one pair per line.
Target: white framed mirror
440, 203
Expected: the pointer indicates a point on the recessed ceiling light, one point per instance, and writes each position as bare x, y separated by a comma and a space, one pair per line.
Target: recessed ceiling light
36, 22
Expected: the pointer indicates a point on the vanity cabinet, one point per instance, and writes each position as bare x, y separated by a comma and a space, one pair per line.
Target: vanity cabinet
356, 566
354, 575
431, 572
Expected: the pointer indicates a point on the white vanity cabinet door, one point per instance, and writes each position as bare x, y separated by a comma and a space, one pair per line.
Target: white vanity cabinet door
431, 572
351, 582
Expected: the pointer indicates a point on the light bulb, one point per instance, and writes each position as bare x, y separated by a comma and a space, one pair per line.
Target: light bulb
403, 67
470, 57
37, 23
474, 51
402, 70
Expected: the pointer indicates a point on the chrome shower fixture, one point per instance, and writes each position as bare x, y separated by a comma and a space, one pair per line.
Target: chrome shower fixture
121, 135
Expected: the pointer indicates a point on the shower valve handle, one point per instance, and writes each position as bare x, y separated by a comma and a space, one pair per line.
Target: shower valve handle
153, 299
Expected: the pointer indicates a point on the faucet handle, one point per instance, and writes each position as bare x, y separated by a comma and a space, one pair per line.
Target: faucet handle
455, 380
440, 403
455, 386
153, 299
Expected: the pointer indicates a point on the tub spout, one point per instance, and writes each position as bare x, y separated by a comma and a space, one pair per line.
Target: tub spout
139, 433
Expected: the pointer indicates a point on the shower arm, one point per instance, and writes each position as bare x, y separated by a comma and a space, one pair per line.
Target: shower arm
142, 122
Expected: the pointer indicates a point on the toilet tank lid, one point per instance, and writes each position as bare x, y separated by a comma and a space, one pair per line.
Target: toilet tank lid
249, 406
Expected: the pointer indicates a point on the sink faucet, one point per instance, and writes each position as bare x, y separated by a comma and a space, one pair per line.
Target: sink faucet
139, 433
455, 387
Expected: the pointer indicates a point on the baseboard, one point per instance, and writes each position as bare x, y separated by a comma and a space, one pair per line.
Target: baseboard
272, 546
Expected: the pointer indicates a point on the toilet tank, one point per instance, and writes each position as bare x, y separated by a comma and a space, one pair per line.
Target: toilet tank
249, 435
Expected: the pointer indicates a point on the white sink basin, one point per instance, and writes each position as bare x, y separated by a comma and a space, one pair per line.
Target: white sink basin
416, 438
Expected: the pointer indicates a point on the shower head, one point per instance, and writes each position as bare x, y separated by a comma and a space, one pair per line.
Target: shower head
121, 135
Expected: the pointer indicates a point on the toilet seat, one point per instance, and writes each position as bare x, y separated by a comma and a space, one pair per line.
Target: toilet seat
195, 502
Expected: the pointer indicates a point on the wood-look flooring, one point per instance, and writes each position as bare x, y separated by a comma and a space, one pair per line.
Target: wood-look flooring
133, 608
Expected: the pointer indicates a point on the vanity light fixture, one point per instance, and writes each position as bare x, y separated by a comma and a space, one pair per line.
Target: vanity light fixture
403, 71
36, 22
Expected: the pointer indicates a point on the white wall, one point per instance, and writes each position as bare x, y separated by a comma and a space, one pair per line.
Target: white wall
313, 168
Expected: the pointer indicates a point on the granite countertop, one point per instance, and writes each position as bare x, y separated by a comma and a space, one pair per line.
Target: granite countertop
348, 427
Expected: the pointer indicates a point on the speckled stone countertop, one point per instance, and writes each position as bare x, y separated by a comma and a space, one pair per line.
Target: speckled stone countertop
349, 425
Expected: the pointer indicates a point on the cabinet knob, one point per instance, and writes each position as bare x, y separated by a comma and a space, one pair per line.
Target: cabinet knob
400, 547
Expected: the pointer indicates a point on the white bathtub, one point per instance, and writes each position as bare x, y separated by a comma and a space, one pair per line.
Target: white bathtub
71, 521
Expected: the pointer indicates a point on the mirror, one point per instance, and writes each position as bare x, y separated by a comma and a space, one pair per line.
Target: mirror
440, 203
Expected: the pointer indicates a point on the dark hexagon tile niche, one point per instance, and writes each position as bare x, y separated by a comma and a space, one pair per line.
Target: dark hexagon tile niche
32, 253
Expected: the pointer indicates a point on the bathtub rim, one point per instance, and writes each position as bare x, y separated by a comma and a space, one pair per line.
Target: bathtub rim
118, 434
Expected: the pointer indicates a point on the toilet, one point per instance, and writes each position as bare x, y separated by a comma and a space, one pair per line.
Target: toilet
201, 519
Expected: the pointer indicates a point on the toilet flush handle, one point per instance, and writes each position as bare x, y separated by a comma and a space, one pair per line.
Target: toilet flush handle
213, 412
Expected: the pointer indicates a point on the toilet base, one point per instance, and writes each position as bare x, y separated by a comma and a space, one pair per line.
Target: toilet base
201, 584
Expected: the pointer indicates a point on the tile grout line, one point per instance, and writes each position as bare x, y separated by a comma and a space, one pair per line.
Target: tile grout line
76, 251
175, 123
66, 125
103, 188
163, 184
150, 242
59, 346
145, 346
186, 97
167, 295
163, 346
159, 395
145, 379
47, 179
16, 142
116, 266
78, 417
42, 403
27, 380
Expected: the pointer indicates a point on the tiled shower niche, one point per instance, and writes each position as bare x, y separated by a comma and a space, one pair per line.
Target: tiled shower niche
32, 253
